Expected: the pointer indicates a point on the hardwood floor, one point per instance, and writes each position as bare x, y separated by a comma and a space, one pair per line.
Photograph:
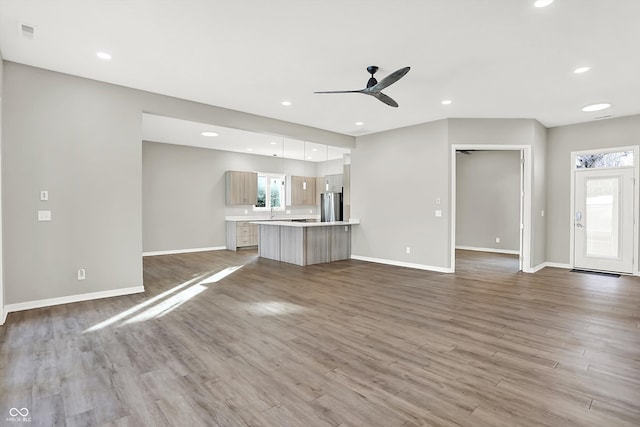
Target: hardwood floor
225, 338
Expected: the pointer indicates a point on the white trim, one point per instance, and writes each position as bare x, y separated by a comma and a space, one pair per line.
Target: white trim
72, 298
636, 207
557, 265
402, 264
536, 268
3, 311
528, 190
184, 251
493, 250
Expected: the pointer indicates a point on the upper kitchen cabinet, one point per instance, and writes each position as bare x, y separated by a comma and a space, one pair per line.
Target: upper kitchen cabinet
301, 190
241, 188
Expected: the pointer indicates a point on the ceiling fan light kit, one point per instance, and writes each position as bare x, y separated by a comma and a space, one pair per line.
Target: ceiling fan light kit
374, 88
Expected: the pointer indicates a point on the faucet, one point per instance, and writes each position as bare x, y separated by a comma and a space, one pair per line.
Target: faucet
272, 213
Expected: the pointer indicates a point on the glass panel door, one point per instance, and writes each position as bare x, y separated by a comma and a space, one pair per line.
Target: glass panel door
603, 220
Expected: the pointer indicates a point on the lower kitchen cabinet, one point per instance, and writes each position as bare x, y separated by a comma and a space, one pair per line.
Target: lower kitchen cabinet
241, 234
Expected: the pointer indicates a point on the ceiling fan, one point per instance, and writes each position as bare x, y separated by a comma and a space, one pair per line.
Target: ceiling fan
374, 88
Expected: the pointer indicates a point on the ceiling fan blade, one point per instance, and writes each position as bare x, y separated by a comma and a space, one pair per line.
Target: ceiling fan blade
390, 79
342, 91
384, 98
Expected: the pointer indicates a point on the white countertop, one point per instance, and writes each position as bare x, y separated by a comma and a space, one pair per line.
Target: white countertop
268, 217
306, 224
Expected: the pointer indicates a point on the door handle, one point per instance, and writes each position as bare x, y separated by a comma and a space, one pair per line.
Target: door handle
579, 225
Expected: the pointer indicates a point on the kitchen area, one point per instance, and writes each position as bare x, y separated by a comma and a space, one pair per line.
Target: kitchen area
301, 239
206, 187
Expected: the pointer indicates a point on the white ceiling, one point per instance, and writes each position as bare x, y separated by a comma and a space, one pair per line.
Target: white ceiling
182, 132
492, 58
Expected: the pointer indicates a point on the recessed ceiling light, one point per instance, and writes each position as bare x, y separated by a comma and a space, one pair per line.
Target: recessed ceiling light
596, 107
308, 157
581, 70
103, 55
359, 123
542, 3
286, 103
446, 102
207, 133
273, 143
249, 149
314, 149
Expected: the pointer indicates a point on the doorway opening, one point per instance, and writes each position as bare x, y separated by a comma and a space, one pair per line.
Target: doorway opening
491, 200
604, 210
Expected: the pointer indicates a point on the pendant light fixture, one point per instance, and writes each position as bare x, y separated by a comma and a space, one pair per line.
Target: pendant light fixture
326, 173
304, 165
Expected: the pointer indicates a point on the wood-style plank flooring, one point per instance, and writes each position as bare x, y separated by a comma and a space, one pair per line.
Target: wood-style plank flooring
229, 339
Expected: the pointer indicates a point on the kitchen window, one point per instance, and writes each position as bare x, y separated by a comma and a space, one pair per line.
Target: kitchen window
270, 192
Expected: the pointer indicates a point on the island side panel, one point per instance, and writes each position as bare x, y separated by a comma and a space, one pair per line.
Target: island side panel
317, 245
292, 245
340, 238
231, 235
269, 238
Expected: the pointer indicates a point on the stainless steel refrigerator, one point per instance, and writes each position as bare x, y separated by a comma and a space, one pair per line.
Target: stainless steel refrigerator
331, 206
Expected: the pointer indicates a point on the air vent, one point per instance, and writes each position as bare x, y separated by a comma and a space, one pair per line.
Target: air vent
608, 116
27, 31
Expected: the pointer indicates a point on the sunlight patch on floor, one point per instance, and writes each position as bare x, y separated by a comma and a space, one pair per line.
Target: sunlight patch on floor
273, 308
214, 278
168, 305
155, 307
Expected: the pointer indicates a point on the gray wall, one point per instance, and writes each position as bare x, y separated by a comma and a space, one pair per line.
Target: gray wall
396, 177
183, 193
2, 294
488, 200
514, 132
539, 196
618, 132
81, 140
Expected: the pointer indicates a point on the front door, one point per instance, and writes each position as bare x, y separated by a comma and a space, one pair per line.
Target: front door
603, 219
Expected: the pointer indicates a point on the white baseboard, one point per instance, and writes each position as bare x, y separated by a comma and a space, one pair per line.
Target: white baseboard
402, 264
184, 251
71, 298
557, 265
494, 250
3, 316
536, 268
546, 264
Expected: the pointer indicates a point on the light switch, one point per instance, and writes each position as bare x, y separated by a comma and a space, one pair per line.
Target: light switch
438, 212
44, 195
44, 215
542, 212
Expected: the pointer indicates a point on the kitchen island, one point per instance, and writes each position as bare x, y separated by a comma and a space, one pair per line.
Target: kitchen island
304, 243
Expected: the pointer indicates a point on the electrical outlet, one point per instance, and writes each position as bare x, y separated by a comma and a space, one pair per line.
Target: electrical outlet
497, 240
246, 211
82, 274
408, 250
288, 212
44, 195
44, 215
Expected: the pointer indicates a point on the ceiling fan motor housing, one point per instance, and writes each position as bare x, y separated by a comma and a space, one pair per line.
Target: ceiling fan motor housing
372, 70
